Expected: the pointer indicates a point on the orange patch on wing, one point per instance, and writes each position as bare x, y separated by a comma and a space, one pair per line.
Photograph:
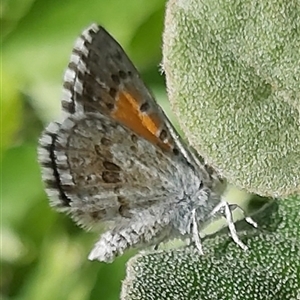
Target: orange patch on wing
127, 111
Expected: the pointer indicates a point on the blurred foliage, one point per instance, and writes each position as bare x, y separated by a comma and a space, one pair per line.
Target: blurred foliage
43, 254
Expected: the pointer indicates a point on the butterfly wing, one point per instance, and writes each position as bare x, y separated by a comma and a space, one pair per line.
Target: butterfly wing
97, 169
108, 110
100, 77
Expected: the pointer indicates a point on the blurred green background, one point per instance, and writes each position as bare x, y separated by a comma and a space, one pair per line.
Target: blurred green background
43, 254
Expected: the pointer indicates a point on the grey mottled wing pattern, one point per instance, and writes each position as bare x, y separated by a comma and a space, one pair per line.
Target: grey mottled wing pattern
105, 172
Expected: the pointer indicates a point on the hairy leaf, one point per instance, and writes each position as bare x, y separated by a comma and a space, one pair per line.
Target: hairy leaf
233, 74
270, 269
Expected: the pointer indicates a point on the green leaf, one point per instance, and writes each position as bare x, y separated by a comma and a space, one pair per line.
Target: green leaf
270, 269
233, 76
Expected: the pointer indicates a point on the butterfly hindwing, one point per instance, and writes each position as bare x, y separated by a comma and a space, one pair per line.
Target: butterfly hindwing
103, 171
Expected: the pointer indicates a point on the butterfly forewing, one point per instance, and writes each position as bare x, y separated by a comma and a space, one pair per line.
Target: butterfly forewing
101, 77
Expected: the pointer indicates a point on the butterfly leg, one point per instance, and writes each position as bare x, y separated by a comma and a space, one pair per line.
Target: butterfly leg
248, 219
195, 233
226, 209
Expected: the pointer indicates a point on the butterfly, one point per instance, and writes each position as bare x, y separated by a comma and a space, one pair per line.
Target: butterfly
114, 159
